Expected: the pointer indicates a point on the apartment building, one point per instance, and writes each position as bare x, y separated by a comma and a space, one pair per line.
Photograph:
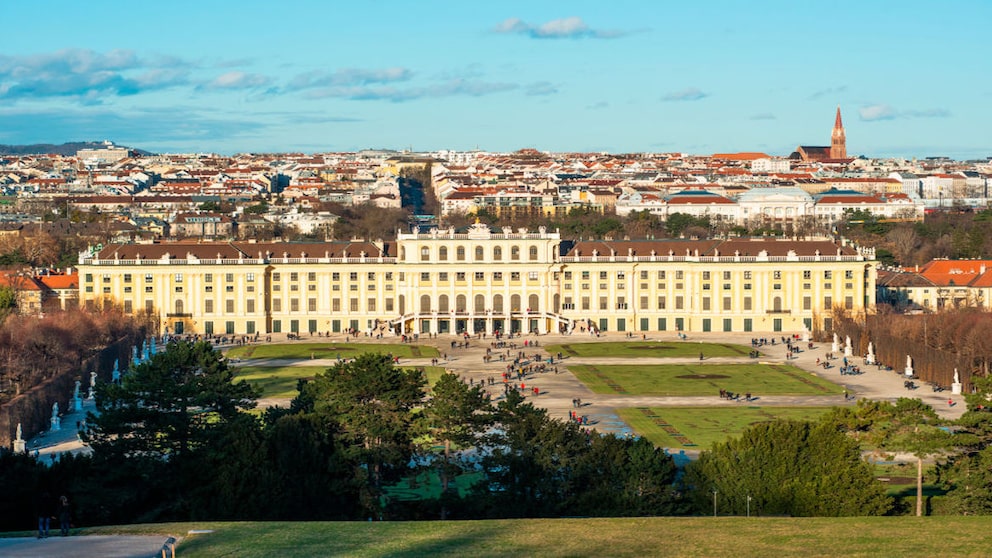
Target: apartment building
483, 280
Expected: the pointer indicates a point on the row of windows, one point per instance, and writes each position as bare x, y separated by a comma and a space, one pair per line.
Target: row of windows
479, 252
480, 304
705, 302
707, 275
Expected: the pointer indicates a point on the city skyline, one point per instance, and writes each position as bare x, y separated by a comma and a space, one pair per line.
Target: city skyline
582, 76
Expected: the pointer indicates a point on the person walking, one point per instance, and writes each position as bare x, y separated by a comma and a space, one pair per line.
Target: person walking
46, 511
64, 515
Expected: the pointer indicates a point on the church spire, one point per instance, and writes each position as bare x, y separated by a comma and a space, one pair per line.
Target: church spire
838, 139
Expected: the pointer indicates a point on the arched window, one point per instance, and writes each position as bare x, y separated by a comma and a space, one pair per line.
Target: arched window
442, 253
460, 303
442, 303
179, 307
514, 253
479, 254
498, 254
777, 304
533, 253
425, 254
460, 253
480, 304
425, 303
497, 304
533, 303
514, 303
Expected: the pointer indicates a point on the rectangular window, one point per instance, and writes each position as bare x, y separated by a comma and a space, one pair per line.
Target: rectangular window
643, 304
335, 276
250, 277
250, 327
208, 306
277, 305
807, 303
442, 276
229, 327
229, 277
460, 276
250, 305
603, 305
747, 303
726, 276
229, 306
480, 276
585, 303
777, 275
229, 289
208, 278
679, 302
127, 290
848, 274
425, 277
849, 302
353, 276
661, 303
828, 274
532, 275
149, 305
335, 305
311, 305
585, 274
828, 303
370, 305
498, 276
661, 275
294, 305
679, 274
311, 276
807, 274
727, 303
748, 325
277, 276
353, 304
208, 288
179, 278
747, 275
514, 276
706, 276
127, 277
389, 305
728, 324
602, 275
644, 277
706, 304
127, 307
147, 289
662, 324
208, 328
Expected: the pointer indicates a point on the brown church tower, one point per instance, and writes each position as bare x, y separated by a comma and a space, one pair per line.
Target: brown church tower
838, 140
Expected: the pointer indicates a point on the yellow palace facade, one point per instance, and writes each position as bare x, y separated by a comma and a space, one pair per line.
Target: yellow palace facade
483, 280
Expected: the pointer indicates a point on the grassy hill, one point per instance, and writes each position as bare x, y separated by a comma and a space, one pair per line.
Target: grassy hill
661, 536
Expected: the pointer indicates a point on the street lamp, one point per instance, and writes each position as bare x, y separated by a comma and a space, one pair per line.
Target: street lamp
714, 502
748, 505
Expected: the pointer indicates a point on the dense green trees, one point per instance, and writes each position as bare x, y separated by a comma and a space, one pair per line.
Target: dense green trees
787, 468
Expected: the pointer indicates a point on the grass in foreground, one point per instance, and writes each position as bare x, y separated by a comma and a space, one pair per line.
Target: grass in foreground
650, 349
701, 427
330, 349
702, 379
661, 536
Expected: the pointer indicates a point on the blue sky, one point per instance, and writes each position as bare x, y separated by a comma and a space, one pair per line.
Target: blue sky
912, 78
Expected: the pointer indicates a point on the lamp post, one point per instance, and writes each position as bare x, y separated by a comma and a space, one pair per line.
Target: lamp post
748, 505
714, 502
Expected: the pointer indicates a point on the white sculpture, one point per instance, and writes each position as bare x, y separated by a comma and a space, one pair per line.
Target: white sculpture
90, 392
835, 346
116, 374
909, 365
77, 403
56, 420
19, 445
848, 350
956, 386
870, 358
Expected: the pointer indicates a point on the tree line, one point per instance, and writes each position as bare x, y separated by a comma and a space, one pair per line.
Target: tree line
179, 439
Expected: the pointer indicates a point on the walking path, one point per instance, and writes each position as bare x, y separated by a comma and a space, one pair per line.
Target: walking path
104, 546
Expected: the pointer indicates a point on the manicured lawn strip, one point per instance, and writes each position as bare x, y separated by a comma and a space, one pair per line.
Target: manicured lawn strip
703, 426
702, 379
276, 383
652, 349
656, 536
330, 350
280, 382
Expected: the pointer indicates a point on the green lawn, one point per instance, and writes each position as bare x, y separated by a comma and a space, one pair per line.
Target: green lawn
280, 382
330, 350
700, 427
702, 379
615, 537
655, 349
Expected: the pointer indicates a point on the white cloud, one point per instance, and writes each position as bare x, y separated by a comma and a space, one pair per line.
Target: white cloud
687, 94
572, 27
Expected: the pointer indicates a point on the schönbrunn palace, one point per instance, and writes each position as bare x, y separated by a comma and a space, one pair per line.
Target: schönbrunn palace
482, 280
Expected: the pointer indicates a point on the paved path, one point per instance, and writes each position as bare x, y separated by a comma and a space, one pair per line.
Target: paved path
102, 546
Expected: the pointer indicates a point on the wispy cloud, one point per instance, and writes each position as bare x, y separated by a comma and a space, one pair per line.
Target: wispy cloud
540, 88
828, 92
884, 111
398, 95
687, 94
349, 77
87, 74
565, 28
238, 80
